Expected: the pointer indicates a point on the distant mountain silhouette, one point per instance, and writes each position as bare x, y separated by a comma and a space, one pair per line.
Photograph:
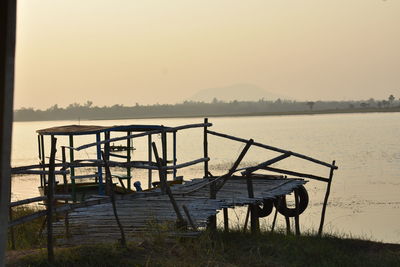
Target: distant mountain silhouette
240, 92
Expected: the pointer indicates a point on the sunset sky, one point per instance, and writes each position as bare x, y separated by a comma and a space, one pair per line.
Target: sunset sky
148, 51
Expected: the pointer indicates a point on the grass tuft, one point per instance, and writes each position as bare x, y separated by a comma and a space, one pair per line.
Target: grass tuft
27, 235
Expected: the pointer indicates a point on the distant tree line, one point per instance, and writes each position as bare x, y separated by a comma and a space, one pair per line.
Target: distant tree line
216, 107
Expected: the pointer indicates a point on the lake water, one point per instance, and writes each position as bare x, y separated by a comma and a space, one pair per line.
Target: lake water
365, 194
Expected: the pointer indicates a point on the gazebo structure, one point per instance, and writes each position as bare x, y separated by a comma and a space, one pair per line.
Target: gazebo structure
101, 134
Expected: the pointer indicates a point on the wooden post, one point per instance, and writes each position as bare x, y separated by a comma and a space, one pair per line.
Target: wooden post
150, 172
110, 190
129, 145
99, 169
328, 189
174, 153
274, 221
8, 12
163, 181
226, 220
296, 217
164, 150
11, 229
205, 146
39, 149
212, 220
50, 200
66, 220
161, 172
254, 223
106, 151
71, 160
185, 209
43, 161
246, 220
40, 158
64, 162
107, 135
287, 220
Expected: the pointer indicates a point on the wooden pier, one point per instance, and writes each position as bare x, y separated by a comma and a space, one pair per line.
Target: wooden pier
114, 211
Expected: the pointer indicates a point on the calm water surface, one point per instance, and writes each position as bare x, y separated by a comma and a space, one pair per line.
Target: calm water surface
365, 195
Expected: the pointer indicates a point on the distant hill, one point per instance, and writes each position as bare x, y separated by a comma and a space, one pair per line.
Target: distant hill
240, 92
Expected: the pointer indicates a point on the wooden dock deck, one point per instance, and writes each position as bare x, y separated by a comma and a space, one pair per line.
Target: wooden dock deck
138, 212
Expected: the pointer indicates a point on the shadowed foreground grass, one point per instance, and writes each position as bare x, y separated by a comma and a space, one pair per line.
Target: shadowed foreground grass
226, 249
28, 235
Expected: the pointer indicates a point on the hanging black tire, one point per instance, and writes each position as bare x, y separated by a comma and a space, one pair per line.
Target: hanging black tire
266, 208
280, 203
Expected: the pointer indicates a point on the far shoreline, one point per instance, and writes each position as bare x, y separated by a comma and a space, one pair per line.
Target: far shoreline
252, 114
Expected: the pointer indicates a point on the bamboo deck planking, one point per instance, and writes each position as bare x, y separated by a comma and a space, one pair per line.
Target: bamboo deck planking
139, 212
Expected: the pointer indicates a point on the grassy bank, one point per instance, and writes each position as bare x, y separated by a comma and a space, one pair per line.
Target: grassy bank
234, 248
28, 235
226, 249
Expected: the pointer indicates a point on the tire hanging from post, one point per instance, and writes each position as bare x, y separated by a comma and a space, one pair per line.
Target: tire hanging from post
266, 208
291, 212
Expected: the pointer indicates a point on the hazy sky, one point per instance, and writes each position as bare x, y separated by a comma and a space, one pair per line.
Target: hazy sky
148, 51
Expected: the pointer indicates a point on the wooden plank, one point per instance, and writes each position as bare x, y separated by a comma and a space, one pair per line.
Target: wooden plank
235, 165
186, 164
26, 201
266, 163
172, 129
30, 172
298, 174
34, 166
273, 149
27, 218
84, 176
118, 156
188, 126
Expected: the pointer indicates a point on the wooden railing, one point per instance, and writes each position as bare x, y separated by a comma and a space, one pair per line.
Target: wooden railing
266, 166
